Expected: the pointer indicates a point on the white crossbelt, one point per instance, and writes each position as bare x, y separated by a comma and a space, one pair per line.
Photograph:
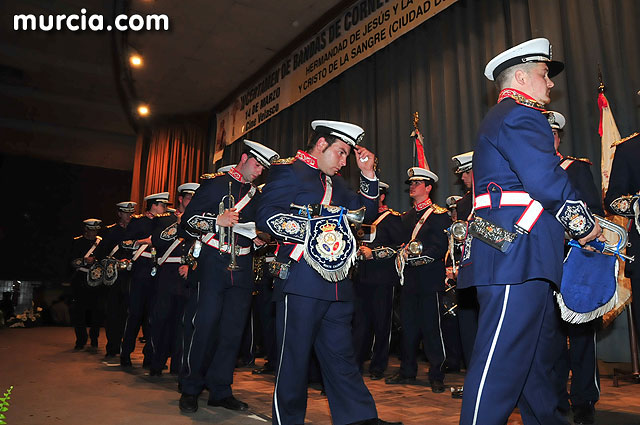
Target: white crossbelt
214, 243
565, 163
140, 252
168, 252
530, 215
173, 260
93, 247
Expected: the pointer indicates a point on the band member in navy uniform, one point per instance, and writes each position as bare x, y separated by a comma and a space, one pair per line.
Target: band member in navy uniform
467, 300
314, 305
624, 181
116, 305
376, 281
423, 282
142, 288
580, 356
513, 254
88, 305
172, 272
219, 304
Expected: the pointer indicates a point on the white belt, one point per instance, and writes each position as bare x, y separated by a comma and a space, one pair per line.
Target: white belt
173, 260
83, 269
146, 255
214, 243
508, 199
297, 252
528, 218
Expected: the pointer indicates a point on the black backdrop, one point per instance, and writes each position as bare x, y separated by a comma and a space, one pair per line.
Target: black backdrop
437, 70
45, 204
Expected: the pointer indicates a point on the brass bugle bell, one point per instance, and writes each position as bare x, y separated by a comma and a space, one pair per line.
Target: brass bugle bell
355, 217
414, 248
458, 230
623, 237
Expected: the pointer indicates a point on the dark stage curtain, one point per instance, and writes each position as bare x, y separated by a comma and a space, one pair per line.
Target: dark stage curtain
437, 70
48, 202
168, 155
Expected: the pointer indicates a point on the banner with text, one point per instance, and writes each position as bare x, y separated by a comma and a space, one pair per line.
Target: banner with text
361, 30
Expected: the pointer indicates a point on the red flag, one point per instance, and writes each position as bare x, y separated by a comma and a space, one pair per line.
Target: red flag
420, 156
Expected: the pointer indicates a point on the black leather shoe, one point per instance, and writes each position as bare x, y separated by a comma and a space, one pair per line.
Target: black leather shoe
399, 379
376, 375
78, 347
437, 386
188, 403
230, 403
584, 413
125, 361
375, 421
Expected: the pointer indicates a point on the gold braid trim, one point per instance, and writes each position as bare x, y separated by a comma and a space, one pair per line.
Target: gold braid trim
619, 142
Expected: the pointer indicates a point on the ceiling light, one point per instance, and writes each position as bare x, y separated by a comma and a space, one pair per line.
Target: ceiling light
143, 110
135, 60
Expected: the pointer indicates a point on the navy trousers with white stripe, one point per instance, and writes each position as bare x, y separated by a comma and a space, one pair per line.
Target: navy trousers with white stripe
372, 325
420, 316
213, 324
303, 324
580, 358
516, 349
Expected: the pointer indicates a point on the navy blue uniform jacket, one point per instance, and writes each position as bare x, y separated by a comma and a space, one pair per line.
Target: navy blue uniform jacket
140, 227
206, 200
580, 176
625, 180
427, 278
383, 271
113, 235
301, 183
514, 152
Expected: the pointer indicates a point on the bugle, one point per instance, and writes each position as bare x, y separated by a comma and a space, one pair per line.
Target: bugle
355, 217
226, 233
613, 247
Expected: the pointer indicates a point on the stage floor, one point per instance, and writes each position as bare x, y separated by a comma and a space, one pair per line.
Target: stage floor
55, 385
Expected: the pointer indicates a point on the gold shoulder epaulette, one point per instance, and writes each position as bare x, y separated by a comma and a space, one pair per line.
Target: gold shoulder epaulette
110, 226
167, 214
137, 216
77, 237
438, 209
624, 140
586, 160
394, 212
211, 176
284, 161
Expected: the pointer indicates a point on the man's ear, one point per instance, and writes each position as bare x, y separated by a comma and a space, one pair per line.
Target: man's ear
322, 144
520, 76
